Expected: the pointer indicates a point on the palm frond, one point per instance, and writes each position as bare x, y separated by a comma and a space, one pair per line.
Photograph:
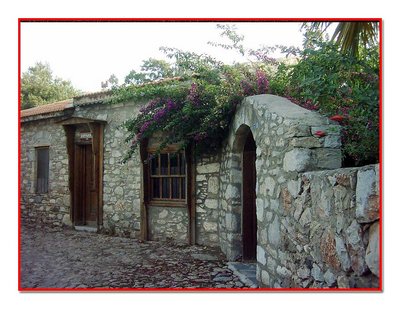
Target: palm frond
318, 25
351, 35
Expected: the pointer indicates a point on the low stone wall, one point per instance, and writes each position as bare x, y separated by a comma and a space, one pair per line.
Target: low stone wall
325, 233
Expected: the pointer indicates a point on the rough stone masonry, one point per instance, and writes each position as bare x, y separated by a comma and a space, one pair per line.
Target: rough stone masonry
318, 225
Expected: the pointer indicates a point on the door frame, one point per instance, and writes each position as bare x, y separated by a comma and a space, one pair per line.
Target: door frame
96, 128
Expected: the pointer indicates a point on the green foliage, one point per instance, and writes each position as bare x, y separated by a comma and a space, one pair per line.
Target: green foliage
235, 40
194, 98
111, 82
340, 84
151, 70
39, 87
197, 107
187, 63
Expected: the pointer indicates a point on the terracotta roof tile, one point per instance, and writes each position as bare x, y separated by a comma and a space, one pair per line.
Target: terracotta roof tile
47, 108
93, 94
83, 99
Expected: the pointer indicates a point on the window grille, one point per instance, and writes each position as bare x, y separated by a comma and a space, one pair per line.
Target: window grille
168, 177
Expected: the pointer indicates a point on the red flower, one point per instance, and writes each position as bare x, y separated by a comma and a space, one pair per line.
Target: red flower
338, 118
320, 133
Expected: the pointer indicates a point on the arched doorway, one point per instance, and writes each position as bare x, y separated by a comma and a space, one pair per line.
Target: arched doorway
241, 200
249, 218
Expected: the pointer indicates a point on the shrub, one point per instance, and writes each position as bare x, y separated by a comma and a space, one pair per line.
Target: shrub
339, 84
196, 108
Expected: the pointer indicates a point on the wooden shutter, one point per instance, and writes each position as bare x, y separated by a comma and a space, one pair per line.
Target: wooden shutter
42, 170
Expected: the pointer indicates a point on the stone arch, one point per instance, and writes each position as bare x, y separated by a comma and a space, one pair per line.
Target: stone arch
235, 216
287, 146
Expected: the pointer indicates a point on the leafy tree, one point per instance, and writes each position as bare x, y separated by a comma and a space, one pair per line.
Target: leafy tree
236, 40
186, 63
150, 70
111, 82
39, 87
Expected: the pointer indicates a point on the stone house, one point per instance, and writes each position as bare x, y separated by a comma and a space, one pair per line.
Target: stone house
275, 193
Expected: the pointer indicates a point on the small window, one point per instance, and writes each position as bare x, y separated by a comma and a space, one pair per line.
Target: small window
42, 170
168, 177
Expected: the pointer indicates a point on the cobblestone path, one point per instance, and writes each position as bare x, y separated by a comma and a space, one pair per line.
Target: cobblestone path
65, 258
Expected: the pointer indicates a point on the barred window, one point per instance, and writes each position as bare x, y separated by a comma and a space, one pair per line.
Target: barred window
168, 177
42, 169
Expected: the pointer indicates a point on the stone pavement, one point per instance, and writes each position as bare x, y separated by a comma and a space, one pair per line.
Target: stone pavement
65, 258
246, 272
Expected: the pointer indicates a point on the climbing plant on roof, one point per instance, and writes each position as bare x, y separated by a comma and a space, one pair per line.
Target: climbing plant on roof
195, 107
193, 98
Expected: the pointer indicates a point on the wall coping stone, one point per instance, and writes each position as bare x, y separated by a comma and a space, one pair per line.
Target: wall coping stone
288, 110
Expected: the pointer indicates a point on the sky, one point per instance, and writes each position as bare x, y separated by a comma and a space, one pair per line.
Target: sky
88, 53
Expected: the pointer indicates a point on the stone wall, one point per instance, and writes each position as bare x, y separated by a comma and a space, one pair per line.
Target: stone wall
325, 233
121, 182
286, 143
52, 207
207, 203
168, 223
315, 227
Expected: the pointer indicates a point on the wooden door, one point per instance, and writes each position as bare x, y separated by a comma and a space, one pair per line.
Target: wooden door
249, 218
86, 194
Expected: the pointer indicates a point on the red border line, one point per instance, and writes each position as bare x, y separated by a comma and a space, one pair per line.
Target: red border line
19, 155
381, 155
191, 290
84, 19
195, 290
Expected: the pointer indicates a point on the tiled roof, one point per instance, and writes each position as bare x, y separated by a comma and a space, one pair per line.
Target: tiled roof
93, 94
47, 108
84, 99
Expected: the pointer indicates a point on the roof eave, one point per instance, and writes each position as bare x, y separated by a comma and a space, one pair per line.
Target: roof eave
44, 116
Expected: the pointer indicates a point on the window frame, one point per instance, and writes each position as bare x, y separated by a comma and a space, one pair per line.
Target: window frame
44, 187
172, 202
